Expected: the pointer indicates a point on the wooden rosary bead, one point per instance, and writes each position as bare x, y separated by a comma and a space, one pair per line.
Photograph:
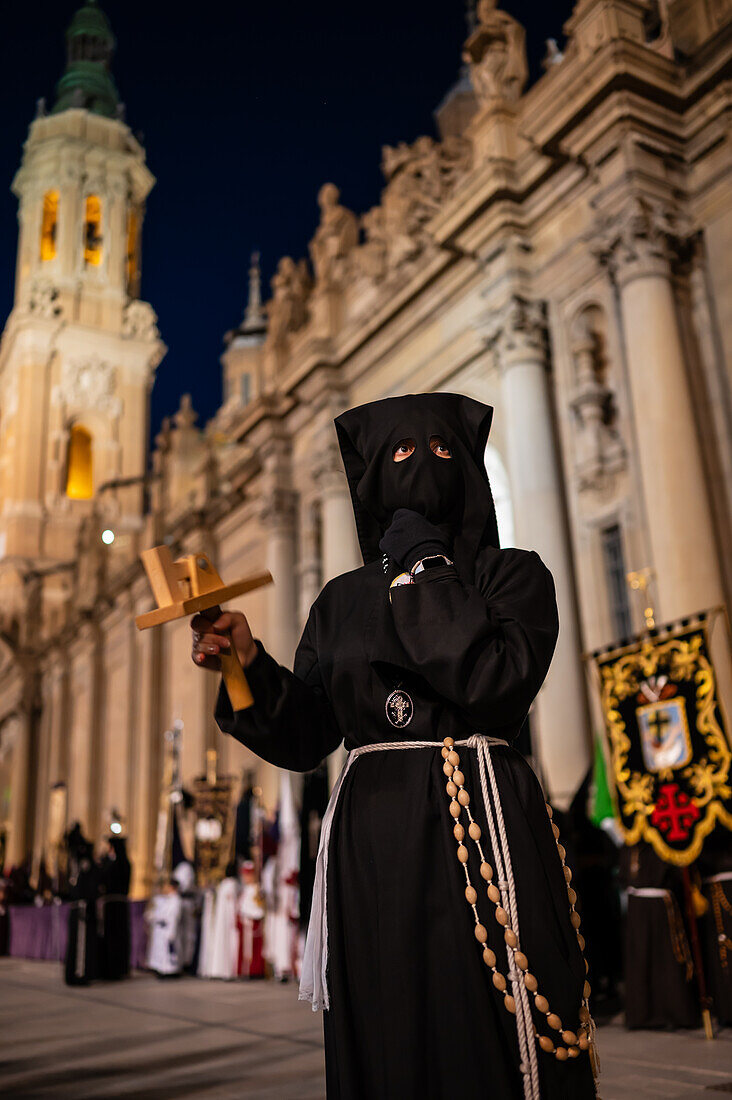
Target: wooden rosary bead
586, 990
444, 753
453, 757
486, 871
458, 831
546, 1044
581, 941
455, 808
574, 919
531, 983
481, 933
510, 937
571, 894
474, 830
542, 1005
448, 742
501, 916
548, 809
448, 768
561, 1054
471, 895
562, 851
494, 893
554, 1021
521, 961
451, 788
555, 830
567, 875
587, 967
489, 957
509, 1004
584, 1014
584, 1042
458, 777
463, 798
462, 853
570, 1038
573, 1052
499, 981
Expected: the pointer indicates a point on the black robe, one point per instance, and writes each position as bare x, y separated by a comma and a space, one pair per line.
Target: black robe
114, 945
660, 988
413, 1012
81, 963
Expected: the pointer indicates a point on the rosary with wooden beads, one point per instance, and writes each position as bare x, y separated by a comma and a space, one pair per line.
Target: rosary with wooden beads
572, 1042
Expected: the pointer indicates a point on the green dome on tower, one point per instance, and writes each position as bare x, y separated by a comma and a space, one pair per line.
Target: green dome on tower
87, 81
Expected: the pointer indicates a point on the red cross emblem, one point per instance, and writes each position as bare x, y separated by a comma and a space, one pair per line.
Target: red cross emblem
674, 812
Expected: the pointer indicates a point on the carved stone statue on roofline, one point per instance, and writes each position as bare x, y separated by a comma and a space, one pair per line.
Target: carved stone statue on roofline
334, 240
287, 309
496, 54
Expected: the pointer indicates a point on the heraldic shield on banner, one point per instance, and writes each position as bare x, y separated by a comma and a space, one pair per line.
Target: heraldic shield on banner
669, 748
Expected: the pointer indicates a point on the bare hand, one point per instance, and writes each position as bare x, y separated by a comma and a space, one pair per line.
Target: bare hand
210, 637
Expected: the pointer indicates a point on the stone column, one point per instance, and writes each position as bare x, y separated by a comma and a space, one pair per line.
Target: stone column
278, 520
559, 719
639, 252
16, 734
340, 551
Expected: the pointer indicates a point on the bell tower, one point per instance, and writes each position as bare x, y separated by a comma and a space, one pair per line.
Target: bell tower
80, 349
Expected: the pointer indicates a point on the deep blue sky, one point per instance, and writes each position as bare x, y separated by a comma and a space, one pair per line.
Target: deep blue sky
246, 109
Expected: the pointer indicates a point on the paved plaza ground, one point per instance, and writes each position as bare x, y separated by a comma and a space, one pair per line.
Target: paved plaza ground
191, 1039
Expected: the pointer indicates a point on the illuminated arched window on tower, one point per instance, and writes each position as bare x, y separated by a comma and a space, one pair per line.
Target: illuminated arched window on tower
501, 495
49, 221
93, 230
79, 481
133, 253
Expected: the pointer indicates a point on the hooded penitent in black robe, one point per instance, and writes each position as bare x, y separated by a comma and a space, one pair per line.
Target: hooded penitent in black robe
114, 946
80, 966
412, 1009
660, 988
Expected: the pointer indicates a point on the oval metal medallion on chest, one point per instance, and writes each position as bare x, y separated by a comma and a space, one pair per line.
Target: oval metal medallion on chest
399, 708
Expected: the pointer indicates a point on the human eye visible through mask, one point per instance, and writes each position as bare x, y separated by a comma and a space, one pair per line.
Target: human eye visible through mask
403, 449
439, 447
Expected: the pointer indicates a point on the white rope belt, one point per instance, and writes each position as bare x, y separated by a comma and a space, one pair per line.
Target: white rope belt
648, 892
313, 979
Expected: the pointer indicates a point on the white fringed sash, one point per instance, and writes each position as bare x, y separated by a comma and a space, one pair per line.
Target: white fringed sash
314, 980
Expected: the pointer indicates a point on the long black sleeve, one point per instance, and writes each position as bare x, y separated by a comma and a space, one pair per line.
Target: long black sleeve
485, 647
291, 723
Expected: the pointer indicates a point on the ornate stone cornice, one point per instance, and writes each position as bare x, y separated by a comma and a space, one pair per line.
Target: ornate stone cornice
517, 331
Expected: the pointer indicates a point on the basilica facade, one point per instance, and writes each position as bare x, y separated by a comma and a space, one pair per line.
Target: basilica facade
559, 251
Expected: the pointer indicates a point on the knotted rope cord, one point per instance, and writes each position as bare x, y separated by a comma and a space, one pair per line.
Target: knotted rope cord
506, 884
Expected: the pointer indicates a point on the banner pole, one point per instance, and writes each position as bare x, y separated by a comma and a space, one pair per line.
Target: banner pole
701, 982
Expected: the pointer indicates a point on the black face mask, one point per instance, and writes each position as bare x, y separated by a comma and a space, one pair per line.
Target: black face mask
424, 482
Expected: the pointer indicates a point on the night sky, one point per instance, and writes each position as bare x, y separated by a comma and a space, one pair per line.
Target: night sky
245, 109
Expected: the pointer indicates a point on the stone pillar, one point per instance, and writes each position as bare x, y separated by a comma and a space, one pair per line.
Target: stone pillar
16, 733
278, 520
560, 718
638, 252
340, 551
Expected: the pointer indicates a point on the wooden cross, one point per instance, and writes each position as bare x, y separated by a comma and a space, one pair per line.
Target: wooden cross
190, 585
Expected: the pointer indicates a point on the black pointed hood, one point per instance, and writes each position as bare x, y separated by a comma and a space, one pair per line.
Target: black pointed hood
367, 436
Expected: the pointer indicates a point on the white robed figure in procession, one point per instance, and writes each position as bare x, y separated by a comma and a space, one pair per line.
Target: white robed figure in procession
224, 956
280, 884
164, 941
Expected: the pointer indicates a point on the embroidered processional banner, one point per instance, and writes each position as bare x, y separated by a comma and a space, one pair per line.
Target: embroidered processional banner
669, 747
